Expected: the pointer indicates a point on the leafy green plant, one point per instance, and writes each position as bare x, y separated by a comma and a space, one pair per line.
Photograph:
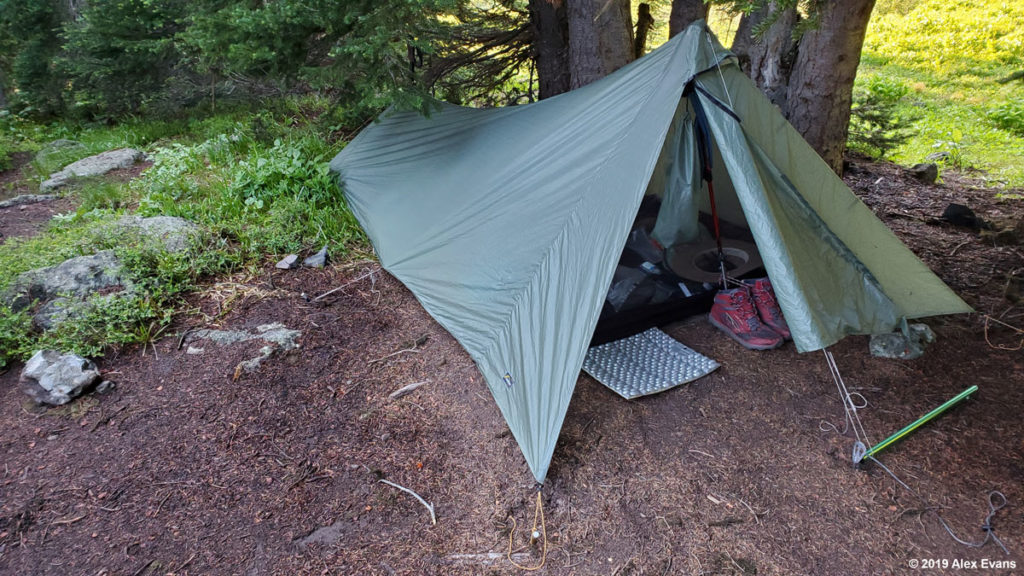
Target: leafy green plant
15, 335
1009, 116
100, 194
951, 151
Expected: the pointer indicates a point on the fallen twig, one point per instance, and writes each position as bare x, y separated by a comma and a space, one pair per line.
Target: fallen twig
143, 569
106, 419
958, 247
413, 350
69, 520
429, 506
346, 285
486, 558
407, 389
187, 562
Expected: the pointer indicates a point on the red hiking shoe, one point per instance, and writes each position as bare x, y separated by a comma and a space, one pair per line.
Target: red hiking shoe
733, 313
768, 307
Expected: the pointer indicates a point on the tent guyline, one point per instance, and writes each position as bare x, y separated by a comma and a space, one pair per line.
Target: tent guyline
861, 452
507, 224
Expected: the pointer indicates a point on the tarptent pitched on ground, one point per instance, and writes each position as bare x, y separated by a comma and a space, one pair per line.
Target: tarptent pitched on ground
507, 223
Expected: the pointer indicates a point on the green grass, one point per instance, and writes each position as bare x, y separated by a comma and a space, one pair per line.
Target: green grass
950, 55
255, 178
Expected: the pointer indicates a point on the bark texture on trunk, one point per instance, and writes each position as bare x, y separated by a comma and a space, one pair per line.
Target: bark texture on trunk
644, 23
821, 85
600, 39
684, 13
550, 45
771, 56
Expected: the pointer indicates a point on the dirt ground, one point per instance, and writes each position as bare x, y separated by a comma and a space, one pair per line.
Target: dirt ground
194, 466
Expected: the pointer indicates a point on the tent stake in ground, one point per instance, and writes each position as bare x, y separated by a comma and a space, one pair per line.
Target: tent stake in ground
917, 424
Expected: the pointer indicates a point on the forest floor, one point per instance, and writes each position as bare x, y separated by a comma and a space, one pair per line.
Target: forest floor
193, 466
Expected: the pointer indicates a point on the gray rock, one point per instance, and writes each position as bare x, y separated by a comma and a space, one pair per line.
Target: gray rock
275, 333
897, 346
106, 386
288, 262
53, 378
318, 260
77, 277
25, 199
53, 313
93, 166
174, 233
925, 172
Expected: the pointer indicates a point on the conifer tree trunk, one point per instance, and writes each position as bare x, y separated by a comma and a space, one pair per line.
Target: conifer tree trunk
600, 39
684, 13
768, 60
551, 45
820, 89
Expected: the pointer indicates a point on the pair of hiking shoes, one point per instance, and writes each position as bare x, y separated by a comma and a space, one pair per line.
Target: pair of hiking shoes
750, 315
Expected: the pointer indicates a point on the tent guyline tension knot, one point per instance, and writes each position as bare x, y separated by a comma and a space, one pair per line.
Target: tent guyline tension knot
861, 452
542, 535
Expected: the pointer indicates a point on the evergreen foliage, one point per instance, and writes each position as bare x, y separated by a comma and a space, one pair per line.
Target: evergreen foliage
876, 126
30, 36
118, 54
106, 59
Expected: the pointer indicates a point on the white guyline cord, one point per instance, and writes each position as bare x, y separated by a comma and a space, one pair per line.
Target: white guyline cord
718, 66
852, 401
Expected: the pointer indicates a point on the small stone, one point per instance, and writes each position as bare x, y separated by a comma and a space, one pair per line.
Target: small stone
318, 260
192, 350
927, 172
105, 386
960, 215
53, 378
385, 437
288, 262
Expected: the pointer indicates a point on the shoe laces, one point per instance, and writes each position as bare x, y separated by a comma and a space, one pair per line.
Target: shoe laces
743, 303
767, 297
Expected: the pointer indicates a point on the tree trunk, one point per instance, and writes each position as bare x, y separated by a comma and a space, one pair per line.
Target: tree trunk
600, 39
684, 13
550, 45
821, 85
768, 60
644, 23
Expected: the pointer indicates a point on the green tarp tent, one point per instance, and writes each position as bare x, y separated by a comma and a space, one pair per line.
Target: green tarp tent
507, 223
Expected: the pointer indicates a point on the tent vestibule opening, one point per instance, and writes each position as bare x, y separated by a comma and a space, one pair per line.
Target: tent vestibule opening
670, 266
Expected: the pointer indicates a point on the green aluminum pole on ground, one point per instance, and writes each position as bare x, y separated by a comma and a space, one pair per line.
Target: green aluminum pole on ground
918, 423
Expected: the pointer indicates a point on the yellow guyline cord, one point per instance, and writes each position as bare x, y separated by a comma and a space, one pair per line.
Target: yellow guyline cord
538, 519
